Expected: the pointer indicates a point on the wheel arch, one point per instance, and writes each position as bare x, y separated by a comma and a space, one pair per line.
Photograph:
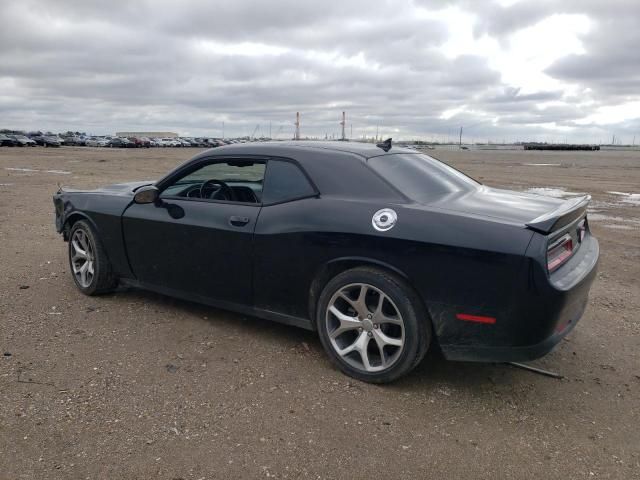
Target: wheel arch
72, 219
338, 265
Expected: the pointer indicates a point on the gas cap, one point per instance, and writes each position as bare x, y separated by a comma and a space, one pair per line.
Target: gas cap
384, 219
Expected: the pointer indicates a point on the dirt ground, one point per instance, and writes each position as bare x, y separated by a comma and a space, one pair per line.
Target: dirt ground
136, 385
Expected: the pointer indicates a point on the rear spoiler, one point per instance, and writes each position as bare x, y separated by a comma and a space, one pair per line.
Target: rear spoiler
563, 215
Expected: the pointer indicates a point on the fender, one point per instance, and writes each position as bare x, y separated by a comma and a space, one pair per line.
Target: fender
360, 260
79, 215
103, 213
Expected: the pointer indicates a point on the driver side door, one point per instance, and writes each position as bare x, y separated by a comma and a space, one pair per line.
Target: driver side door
195, 247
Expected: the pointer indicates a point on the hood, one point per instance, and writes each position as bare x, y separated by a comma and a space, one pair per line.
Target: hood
505, 205
128, 187
116, 189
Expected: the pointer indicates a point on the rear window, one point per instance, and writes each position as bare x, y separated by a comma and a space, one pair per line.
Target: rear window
420, 177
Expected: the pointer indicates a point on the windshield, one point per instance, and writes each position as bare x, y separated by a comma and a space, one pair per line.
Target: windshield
420, 177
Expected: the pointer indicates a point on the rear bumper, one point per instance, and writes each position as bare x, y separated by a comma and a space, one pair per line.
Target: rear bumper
538, 320
522, 353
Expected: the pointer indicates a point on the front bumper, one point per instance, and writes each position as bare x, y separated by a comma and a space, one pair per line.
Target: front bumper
538, 320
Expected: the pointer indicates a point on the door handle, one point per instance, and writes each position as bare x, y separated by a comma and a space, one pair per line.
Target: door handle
238, 221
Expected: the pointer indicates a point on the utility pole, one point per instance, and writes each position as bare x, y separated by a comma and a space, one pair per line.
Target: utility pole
297, 134
460, 141
342, 123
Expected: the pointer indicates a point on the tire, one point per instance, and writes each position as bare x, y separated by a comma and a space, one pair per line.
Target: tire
394, 337
98, 277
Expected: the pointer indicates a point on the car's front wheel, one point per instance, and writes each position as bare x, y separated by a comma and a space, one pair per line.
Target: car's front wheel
372, 325
88, 261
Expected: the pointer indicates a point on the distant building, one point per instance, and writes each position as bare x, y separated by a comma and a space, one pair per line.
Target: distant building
147, 134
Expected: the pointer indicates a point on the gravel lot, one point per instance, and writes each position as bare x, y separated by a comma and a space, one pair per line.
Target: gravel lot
136, 385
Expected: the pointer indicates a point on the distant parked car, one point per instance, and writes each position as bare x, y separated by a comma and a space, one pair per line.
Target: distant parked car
47, 140
74, 140
120, 142
7, 141
170, 142
198, 142
140, 142
97, 142
23, 141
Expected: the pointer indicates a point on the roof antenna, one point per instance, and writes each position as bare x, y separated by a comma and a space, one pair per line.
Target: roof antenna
386, 145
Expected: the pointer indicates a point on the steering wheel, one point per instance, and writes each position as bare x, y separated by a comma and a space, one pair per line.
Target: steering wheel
225, 192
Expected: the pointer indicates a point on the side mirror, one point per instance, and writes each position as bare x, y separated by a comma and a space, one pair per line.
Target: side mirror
147, 194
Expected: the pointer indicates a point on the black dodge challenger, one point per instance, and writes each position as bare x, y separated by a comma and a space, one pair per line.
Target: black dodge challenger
383, 251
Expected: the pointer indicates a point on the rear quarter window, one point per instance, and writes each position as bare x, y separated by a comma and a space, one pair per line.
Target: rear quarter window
285, 181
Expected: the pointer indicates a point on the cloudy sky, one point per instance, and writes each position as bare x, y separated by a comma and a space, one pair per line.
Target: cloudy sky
513, 70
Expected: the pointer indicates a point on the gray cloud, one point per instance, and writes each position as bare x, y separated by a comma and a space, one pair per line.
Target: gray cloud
611, 64
188, 66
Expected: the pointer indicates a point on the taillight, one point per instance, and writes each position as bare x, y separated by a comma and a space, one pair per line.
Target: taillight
559, 252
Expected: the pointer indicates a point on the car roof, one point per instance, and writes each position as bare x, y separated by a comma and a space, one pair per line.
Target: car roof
336, 168
365, 150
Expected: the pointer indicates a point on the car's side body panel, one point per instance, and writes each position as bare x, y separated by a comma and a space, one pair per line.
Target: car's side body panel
448, 259
194, 249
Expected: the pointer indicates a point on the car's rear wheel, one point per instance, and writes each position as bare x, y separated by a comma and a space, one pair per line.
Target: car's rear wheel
372, 325
88, 261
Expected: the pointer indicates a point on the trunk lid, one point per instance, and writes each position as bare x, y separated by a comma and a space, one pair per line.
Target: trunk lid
537, 212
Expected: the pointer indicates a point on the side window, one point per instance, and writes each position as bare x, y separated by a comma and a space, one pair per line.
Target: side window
285, 181
230, 181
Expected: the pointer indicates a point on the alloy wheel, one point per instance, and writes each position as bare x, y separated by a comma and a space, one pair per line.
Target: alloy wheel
82, 258
365, 327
